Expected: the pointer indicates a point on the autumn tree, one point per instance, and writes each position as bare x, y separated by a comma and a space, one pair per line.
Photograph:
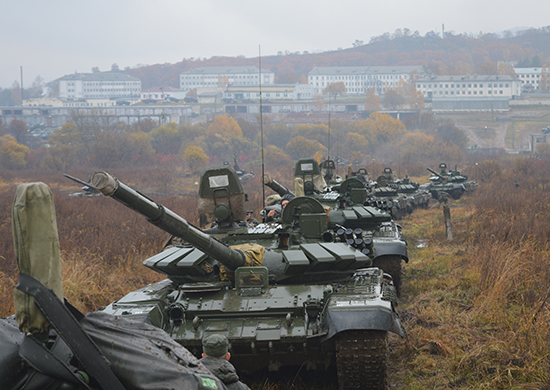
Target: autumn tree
300, 147
415, 147
13, 155
60, 157
18, 129
335, 89
195, 159
225, 126
372, 101
506, 69
192, 93
223, 82
277, 134
275, 157
144, 125
37, 87
318, 132
392, 99
223, 139
166, 139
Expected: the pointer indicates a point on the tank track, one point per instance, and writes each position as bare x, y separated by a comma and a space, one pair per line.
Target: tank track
391, 265
362, 360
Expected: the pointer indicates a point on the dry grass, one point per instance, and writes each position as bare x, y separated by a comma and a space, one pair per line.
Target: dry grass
476, 310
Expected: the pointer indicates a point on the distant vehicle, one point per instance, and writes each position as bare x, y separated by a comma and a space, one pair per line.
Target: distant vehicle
122, 103
172, 99
149, 101
191, 100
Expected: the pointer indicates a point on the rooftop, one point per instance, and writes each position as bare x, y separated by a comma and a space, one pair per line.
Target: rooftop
100, 76
363, 70
226, 70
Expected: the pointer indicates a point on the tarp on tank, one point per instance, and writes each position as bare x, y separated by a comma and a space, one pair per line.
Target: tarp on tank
36, 246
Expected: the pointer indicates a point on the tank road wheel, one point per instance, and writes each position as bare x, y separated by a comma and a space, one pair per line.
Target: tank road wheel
392, 265
362, 360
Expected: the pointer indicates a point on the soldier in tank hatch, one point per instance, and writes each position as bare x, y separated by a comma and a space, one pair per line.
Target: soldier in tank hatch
216, 357
276, 212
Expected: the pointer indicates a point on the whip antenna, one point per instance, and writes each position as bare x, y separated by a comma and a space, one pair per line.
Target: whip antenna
261, 124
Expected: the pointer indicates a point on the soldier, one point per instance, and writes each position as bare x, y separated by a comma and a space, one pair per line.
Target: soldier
216, 357
276, 212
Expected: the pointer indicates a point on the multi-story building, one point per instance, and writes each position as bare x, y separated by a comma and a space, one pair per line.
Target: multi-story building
530, 77
98, 85
470, 92
221, 76
270, 92
359, 79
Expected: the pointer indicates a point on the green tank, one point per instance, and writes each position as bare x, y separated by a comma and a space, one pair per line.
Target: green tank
407, 193
354, 210
303, 298
442, 182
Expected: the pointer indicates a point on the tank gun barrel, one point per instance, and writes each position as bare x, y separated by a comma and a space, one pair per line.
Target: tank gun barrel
167, 220
77, 180
275, 186
435, 173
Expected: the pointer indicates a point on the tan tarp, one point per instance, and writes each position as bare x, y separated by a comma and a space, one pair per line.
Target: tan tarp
206, 208
298, 187
36, 246
254, 256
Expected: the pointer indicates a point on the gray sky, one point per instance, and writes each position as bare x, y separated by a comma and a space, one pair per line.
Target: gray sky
57, 37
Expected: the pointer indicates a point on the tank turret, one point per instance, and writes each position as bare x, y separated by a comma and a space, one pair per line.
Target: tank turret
300, 245
441, 183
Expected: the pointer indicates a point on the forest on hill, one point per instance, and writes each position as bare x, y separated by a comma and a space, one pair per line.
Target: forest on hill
455, 54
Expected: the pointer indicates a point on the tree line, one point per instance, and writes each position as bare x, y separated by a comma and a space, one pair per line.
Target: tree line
99, 141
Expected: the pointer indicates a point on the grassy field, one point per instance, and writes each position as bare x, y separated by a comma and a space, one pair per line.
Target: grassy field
475, 309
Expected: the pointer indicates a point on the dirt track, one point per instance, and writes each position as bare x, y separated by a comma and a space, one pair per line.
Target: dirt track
498, 141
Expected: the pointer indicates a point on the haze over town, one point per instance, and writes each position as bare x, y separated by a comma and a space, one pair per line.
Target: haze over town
53, 39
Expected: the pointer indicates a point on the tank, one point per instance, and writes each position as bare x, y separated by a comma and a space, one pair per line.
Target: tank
440, 182
407, 190
455, 176
354, 209
304, 299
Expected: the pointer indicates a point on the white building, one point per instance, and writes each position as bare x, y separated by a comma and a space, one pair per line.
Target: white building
162, 93
221, 76
359, 79
98, 85
529, 76
270, 92
469, 93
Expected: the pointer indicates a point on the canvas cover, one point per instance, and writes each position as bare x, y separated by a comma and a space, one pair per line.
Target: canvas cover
36, 246
144, 357
254, 256
206, 208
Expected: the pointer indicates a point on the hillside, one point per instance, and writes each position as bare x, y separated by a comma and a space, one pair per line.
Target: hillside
459, 54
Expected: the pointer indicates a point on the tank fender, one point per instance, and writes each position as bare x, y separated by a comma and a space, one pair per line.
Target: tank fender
337, 321
391, 250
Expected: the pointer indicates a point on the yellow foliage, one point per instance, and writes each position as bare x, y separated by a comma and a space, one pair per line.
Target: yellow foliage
225, 126
13, 155
195, 158
318, 156
68, 134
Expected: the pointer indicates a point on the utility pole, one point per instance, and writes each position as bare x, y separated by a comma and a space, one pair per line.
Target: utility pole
21, 85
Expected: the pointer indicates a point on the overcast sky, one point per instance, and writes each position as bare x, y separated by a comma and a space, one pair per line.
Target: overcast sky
57, 37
